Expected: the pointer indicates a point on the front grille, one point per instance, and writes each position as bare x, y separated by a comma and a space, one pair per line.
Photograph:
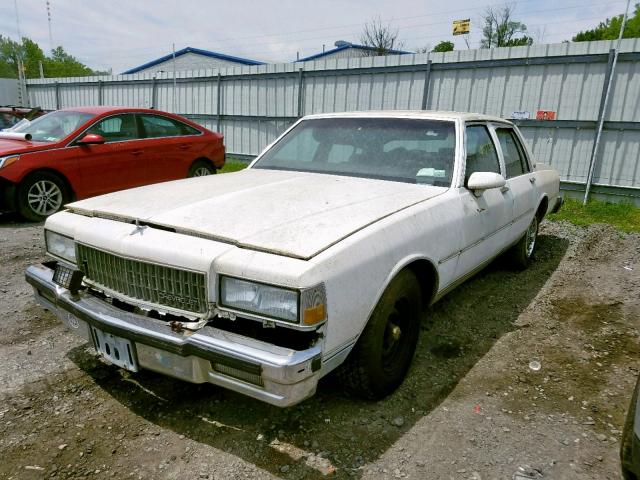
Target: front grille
147, 282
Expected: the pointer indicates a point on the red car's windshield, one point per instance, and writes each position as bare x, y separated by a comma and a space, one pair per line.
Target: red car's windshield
54, 126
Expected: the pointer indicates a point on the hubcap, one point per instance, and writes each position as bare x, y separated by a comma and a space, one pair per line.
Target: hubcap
44, 197
532, 232
394, 338
201, 172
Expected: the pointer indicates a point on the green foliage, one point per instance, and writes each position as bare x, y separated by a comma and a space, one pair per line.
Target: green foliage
233, 165
443, 46
58, 64
623, 216
610, 28
500, 30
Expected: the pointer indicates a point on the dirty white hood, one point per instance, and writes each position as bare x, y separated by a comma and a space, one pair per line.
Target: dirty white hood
289, 213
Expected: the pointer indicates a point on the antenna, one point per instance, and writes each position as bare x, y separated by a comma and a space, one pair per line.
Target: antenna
49, 20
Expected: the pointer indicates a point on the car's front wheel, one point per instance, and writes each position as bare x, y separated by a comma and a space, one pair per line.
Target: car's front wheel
41, 194
380, 360
201, 168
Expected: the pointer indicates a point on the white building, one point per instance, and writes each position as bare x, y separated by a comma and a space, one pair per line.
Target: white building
191, 59
348, 50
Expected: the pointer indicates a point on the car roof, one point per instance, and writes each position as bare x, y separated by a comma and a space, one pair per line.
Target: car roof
421, 114
107, 109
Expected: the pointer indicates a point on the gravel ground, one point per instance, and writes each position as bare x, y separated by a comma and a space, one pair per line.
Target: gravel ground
471, 407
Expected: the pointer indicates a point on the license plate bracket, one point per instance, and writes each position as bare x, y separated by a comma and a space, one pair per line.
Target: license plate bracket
116, 350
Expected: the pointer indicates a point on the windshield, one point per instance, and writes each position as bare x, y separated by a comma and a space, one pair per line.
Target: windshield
397, 149
54, 126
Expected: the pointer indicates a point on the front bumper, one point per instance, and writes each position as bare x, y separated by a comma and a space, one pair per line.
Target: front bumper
286, 376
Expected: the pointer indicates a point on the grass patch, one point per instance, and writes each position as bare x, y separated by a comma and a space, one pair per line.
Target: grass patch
623, 216
233, 166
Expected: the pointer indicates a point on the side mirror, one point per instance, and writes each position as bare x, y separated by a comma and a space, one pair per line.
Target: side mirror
91, 139
481, 181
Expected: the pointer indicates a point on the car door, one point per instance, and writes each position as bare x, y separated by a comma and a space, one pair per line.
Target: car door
520, 180
488, 215
171, 147
117, 164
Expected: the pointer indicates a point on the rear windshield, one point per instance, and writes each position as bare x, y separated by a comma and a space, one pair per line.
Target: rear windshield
397, 149
54, 126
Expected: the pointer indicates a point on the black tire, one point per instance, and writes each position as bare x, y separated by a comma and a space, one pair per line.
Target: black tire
199, 167
379, 362
521, 254
41, 194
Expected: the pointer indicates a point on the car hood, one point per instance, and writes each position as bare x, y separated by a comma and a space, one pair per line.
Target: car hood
288, 213
12, 147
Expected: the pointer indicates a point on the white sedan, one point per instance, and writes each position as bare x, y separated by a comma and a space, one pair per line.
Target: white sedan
322, 255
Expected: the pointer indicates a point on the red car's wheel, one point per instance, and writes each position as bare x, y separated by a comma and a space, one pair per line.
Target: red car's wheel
201, 168
41, 194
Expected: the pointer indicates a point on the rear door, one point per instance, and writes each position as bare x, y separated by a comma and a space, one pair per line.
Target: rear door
172, 146
117, 164
487, 217
520, 180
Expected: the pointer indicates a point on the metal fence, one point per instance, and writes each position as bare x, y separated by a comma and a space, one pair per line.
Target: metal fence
252, 105
8, 91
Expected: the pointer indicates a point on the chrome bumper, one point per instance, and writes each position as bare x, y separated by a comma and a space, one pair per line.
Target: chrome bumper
286, 376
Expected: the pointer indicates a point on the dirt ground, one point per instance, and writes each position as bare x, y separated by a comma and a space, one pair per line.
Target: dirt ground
471, 408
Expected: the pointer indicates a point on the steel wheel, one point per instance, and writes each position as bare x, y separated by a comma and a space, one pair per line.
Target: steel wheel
44, 197
393, 335
380, 360
530, 237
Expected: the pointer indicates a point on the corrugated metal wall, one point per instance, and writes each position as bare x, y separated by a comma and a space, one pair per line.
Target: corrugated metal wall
8, 91
259, 102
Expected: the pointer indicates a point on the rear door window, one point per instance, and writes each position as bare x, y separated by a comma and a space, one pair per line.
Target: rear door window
156, 126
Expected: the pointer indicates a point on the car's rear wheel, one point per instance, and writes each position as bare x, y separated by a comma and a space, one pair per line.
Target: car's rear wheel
521, 254
380, 360
41, 194
201, 168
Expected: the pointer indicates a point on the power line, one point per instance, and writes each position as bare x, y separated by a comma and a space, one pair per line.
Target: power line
352, 33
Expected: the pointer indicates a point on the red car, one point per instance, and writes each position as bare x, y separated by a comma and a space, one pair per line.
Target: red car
81, 152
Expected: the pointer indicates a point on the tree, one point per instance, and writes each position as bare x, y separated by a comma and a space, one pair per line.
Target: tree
500, 30
443, 46
610, 28
59, 64
380, 37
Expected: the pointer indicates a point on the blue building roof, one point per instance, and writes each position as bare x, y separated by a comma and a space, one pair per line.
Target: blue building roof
206, 53
345, 46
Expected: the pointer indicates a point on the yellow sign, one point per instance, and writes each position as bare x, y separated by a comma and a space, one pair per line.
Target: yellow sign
461, 27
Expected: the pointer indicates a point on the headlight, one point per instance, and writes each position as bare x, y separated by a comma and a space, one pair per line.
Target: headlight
60, 246
274, 302
8, 160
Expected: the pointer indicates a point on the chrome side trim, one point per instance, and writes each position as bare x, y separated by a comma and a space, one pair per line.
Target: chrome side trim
486, 237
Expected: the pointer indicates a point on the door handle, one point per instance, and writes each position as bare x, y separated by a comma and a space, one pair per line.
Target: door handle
185, 147
504, 189
137, 152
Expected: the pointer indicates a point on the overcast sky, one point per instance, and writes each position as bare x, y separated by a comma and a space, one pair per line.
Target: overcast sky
121, 34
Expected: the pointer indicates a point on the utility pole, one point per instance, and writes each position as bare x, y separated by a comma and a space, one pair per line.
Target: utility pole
41, 69
594, 153
174, 78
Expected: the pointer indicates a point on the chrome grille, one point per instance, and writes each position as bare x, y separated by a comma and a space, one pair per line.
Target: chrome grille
147, 282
